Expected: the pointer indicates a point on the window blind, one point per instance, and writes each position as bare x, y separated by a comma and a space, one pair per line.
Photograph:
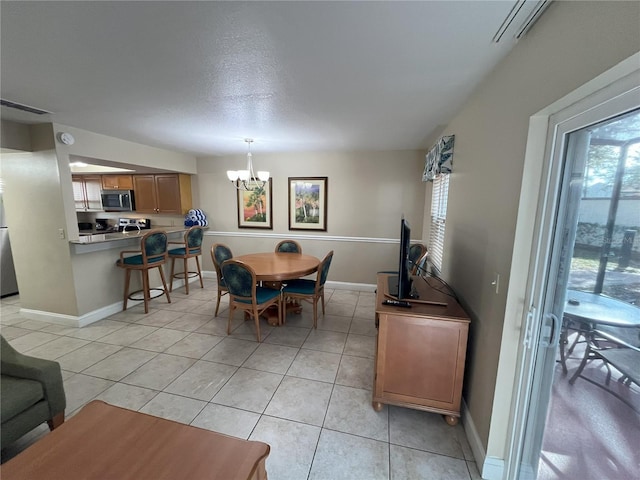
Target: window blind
439, 197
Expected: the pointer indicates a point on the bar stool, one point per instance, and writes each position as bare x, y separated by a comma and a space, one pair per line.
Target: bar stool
152, 254
191, 248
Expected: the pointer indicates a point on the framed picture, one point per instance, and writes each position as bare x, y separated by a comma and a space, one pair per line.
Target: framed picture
254, 207
308, 203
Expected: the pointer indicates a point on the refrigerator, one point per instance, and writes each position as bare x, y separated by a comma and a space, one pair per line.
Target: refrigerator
8, 282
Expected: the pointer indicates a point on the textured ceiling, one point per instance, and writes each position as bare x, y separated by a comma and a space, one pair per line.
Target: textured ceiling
199, 77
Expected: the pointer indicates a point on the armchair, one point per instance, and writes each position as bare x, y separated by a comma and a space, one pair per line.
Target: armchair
31, 393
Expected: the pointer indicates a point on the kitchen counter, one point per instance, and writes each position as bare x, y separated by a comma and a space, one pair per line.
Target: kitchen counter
105, 241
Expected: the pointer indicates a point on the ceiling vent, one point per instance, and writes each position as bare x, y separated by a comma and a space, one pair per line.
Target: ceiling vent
521, 18
24, 108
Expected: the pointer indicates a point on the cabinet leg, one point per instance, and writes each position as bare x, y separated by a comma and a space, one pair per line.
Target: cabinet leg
377, 406
451, 420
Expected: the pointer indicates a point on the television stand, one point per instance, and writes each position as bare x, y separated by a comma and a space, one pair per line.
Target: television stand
420, 352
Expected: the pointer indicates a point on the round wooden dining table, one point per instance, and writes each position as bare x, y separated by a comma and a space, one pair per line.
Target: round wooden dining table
274, 267
279, 266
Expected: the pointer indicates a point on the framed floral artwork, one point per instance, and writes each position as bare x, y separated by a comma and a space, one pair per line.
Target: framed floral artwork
254, 207
308, 203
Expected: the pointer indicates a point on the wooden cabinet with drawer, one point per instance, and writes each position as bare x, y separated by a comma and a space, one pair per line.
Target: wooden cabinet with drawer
421, 351
117, 182
162, 193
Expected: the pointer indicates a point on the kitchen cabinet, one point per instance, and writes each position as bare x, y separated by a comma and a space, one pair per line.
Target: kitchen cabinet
86, 193
162, 193
117, 182
420, 351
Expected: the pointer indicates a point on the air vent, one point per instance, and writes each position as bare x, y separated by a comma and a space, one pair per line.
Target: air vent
24, 108
521, 18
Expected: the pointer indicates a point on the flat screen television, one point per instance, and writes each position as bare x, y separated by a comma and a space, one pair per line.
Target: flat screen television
400, 286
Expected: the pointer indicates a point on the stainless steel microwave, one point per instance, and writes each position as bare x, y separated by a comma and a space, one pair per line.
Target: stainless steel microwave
117, 200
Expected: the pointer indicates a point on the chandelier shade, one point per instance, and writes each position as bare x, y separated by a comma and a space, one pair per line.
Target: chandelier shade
248, 179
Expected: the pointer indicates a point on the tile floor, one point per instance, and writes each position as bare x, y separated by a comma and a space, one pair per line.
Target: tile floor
305, 392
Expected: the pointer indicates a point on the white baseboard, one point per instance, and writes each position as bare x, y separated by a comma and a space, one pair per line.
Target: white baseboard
107, 311
94, 315
490, 468
72, 320
360, 287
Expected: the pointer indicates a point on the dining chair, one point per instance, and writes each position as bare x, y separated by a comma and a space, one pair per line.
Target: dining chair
309, 290
416, 252
191, 247
219, 254
289, 246
153, 253
246, 295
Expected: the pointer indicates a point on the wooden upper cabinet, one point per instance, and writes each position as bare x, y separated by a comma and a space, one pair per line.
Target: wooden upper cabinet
117, 182
163, 193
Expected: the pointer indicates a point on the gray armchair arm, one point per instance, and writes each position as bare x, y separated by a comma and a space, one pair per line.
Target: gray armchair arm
47, 372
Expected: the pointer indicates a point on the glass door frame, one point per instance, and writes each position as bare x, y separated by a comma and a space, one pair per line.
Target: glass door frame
532, 388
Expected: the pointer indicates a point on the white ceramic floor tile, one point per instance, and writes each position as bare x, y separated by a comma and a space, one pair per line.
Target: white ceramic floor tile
202, 380
174, 407
128, 335
80, 389
231, 351
158, 372
288, 335
321, 366
189, 322
350, 411
227, 420
360, 346
416, 464
194, 345
32, 340
58, 347
120, 364
424, 431
86, 356
271, 358
160, 318
356, 372
340, 456
363, 326
292, 447
301, 400
127, 396
160, 340
274, 391
248, 390
97, 330
334, 323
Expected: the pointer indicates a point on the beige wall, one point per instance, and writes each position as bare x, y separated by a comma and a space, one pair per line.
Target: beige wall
35, 213
367, 194
572, 43
39, 203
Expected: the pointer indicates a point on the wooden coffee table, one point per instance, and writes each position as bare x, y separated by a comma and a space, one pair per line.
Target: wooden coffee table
103, 441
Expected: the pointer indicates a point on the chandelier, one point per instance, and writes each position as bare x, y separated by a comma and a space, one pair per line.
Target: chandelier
247, 179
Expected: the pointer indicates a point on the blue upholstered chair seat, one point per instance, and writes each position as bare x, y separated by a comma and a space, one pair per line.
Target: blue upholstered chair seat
262, 295
301, 286
137, 260
183, 251
310, 290
246, 294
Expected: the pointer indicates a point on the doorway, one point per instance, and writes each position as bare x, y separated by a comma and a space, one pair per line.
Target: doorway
580, 392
